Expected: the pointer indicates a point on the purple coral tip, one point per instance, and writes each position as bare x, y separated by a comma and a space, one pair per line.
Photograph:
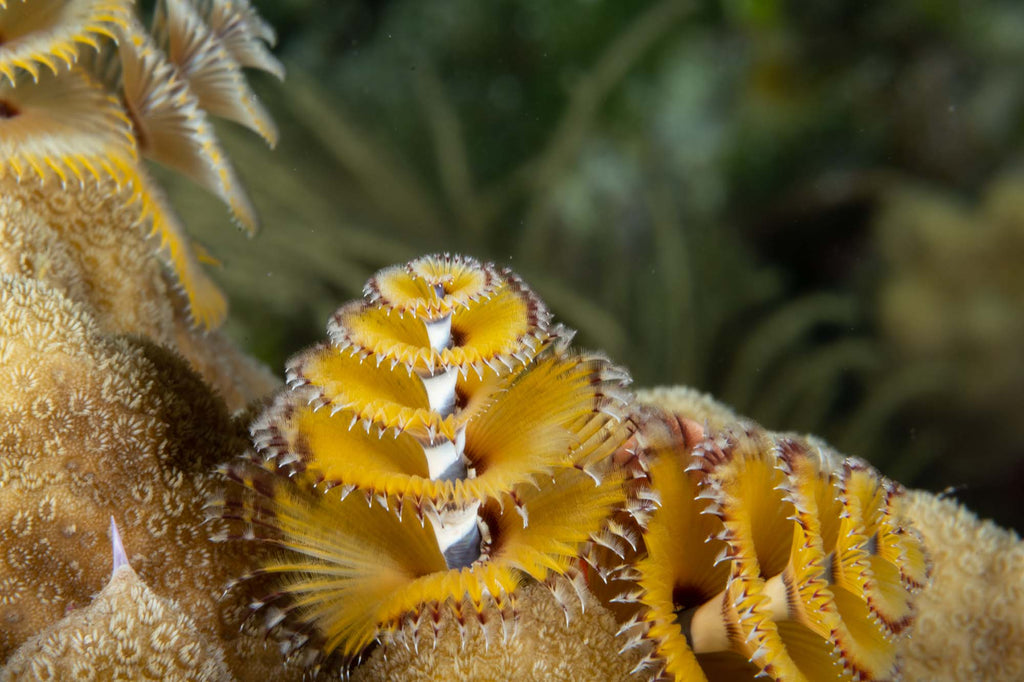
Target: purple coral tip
120, 558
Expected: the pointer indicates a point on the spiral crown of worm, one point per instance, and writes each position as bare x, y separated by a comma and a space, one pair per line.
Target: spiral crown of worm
769, 556
441, 450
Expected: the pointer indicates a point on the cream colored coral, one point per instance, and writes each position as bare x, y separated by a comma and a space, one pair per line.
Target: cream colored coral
690, 403
89, 243
542, 648
127, 632
970, 622
93, 425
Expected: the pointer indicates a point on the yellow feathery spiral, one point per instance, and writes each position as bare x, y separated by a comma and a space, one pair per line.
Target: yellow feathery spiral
64, 127
208, 66
41, 33
243, 33
75, 107
445, 448
769, 555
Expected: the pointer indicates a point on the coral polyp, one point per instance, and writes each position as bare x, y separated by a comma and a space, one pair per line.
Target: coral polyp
770, 555
444, 449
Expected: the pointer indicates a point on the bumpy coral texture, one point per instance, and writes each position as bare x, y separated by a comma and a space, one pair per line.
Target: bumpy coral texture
690, 403
93, 425
89, 243
970, 623
550, 643
127, 632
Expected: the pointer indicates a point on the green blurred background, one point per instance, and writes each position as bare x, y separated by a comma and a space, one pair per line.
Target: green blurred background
814, 211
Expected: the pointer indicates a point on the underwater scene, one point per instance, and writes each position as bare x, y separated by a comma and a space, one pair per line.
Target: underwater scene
509, 339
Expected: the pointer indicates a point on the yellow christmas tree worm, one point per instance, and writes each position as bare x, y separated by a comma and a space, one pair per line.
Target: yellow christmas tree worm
66, 129
170, 123
64, 126
689, 404
209, 68
38, 34
244, 34
98, 108
445, 447
768, 555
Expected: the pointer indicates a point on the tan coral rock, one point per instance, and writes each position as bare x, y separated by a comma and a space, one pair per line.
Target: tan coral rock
970, 622
94, 425
127, 632
89, 243
543, 647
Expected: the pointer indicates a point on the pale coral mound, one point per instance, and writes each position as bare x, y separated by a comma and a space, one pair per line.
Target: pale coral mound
543, 647
127, 632
89, 243
970, 621
691, 403
93, 425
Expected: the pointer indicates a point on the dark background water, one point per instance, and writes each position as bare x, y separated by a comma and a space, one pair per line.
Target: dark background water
812, 210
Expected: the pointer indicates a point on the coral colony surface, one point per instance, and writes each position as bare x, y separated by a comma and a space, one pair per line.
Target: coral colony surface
99, 424
446, 489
